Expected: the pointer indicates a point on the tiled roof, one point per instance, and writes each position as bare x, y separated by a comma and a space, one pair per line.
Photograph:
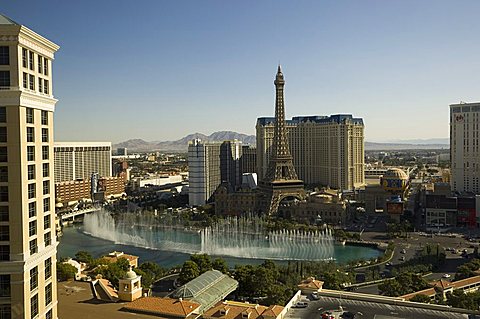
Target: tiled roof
427, 292
442, 284
311, 283
465, 282
238, 310
163, 306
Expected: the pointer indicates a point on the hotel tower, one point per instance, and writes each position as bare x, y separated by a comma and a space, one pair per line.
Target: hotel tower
28, 243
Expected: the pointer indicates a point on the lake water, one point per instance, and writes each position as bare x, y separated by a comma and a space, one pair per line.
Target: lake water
75, 239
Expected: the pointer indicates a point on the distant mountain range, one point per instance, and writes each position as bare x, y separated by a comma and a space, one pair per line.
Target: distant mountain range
181, 145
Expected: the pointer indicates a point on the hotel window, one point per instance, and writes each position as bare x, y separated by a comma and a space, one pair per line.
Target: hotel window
46, 187
30, 134
31, 172
45, 86
48, 315
31, 191
44, 118
33, 278
32, 82
24, 57
46, 205
3, 114
32, 209
44, 152
4, 55
4, 233
30, 153
46, 169
40, 85
48, 294
34, 306
45, 135
48, 268
32, 228
46, 221
4, 253
40, 65
4, 285
30, 60
3, 174
25, 80
45, 66
3, 134
30, 118
33, 246
3, 193
47, 239
4, 214
4, 79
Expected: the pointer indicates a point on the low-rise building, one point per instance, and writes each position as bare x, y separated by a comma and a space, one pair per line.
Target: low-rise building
115, 255
440, 288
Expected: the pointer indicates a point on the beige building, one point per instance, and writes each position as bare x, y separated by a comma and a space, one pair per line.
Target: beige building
464, 147
78, 160
28, 243
326, 150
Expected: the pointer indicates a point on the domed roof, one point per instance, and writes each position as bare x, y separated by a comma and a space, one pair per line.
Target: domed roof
395, 173
131, 274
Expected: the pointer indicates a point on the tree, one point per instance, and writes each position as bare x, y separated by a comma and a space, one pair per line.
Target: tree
190, 270
147, 278
84, 257
220, 265
421, 298
203, 262
65, 271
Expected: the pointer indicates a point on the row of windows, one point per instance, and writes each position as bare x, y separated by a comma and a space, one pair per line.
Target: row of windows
32, 208
4, 79
32, 189
28, 61
31, 134
29, 83
30, 116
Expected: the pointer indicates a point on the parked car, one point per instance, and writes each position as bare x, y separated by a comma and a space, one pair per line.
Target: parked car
446, 276
301, 304
314, 296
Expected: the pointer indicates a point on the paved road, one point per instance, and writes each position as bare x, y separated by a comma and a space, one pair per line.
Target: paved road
369, 310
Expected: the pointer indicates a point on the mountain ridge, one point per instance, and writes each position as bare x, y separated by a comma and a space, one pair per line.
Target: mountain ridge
181, 145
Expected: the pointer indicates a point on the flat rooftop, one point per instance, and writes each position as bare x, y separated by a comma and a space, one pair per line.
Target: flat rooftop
76, 301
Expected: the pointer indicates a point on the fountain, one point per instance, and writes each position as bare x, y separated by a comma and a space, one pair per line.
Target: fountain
243, 237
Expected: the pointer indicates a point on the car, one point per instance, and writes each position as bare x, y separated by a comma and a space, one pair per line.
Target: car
348, 315
301, 304
314, 296
403, 251
402, 258
446, 276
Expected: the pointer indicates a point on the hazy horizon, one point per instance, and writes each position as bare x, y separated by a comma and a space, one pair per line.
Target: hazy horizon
159, 70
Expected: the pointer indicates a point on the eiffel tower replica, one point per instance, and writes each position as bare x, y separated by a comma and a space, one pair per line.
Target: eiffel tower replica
281, 180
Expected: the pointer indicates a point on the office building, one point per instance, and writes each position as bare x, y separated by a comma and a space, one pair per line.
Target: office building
78, 160
464, 147
28, 244
249, 159
326, 150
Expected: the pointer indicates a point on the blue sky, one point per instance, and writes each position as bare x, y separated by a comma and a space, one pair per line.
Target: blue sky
159, 70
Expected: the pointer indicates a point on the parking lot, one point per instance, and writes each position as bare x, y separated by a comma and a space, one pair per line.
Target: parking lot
366, 310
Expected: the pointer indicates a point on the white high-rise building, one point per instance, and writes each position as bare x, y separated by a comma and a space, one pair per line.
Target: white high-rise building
464, 147
78, 160
28, 244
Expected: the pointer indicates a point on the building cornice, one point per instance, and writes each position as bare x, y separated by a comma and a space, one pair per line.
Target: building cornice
36, 42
